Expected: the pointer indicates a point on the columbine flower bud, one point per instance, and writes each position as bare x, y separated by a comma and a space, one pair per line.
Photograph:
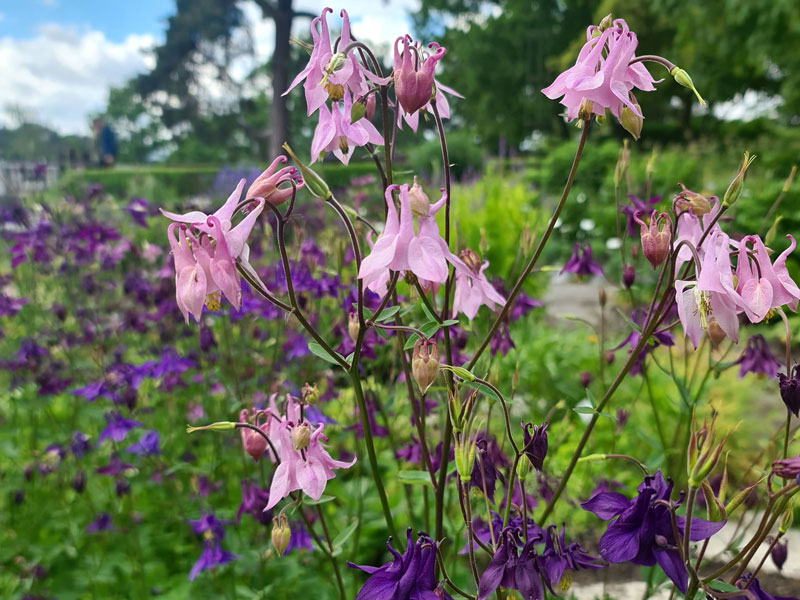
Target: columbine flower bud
787, 519
465, 451
586, 379
412, 87
628, 276
253, 442
682, 78
523, 467
425, 363
420, 204
630, 121
656, 243
779, 554
370, 106
358, 110
535, 444
735, 188
687, 199
352, 325
300, 436
314, 183
281, 534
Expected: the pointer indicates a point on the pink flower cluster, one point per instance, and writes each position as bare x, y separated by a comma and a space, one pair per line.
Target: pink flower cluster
721, 293
603, 76
304, 462
425, 254
205, 247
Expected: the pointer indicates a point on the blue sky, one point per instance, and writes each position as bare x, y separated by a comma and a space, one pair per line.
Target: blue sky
115, 18
58, 58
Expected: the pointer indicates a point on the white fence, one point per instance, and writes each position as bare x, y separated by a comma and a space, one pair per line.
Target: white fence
19, 178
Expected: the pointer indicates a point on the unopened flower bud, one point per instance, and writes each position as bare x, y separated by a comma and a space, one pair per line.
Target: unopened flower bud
606, 23
523, 467
586, 378
787, 519
631, 122
370, 106
779, 554
281, 534
420, 204
735, 188
602, 297
309, 394
300, 436
628, 276
266, 185
253, 442
656, 244
738, 500
425, 363
689, 200
464, 455
78, 482
352, 325
682, 78
358, 110
314, 183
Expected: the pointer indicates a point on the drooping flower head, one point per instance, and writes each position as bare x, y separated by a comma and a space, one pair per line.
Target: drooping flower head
757, 358
409, 576
790, 389
266, 185
558, 557
335, 133
641, 531
515, 569
213, 532
535, 443
413, 74
473, 290
602, 77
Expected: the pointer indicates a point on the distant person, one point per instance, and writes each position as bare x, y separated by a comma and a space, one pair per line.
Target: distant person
105, 143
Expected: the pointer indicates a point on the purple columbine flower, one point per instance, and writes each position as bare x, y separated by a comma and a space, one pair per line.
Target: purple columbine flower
409, 576
101, 523
779, 554
213, 555
757, 358
483, 531
643, 532
581, 261
637, 205
558, 556
254, 500
754, 587
114, 467
513, 569
147, 444
485, 473
299, 538
80, 444
787, 468
790, 390
117, 427
535, 444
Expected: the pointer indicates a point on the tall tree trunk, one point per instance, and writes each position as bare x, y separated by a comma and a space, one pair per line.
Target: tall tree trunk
279, 114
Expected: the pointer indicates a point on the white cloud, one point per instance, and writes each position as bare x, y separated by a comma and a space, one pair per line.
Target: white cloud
63, 73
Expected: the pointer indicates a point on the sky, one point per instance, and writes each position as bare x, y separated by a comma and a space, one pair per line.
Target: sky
59, 57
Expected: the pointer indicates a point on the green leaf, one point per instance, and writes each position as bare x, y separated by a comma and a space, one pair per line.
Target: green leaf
320, 352
722, 586
590, 397
387, 313
343, 536
414, 477
410, 342
584, 410
428, 313
449, 322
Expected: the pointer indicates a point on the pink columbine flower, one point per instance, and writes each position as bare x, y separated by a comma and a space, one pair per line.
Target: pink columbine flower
428, 253
390, 251
602, 74
697, 308
266, 185
335, 133
764, 285
319, 83
413, 77
252, 442
205, 263
307, 469
472, 288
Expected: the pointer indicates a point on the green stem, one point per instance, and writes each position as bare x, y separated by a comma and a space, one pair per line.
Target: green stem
373, 459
